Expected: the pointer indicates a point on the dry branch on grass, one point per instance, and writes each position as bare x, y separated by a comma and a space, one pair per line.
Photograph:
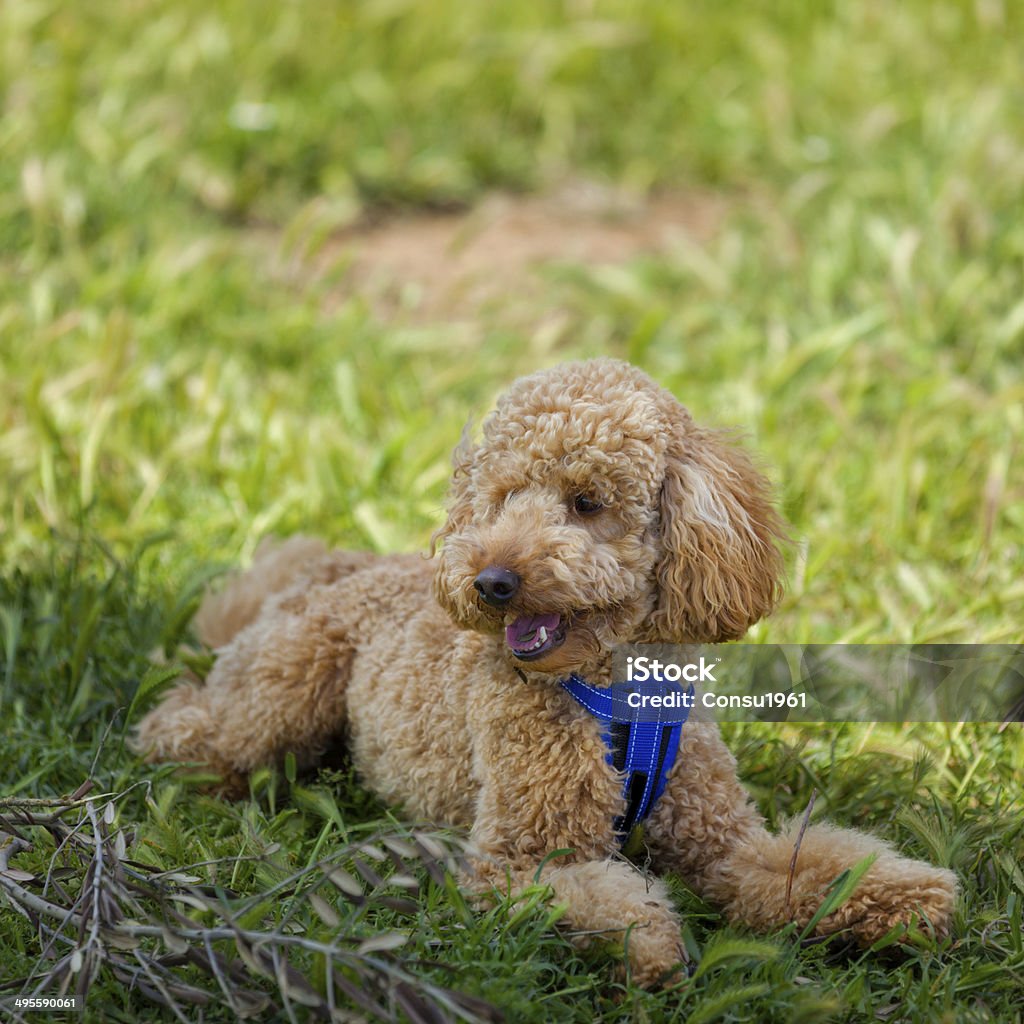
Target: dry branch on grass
180, 943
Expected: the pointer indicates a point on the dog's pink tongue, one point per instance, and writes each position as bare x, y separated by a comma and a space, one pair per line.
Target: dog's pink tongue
523, 632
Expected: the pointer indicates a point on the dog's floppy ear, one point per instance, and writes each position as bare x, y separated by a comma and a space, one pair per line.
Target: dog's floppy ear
720, 569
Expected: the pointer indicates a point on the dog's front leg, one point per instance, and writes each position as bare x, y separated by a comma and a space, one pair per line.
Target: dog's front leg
546, 786
706, 829
605, 901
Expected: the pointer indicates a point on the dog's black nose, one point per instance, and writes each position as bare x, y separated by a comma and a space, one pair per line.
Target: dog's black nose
497, 585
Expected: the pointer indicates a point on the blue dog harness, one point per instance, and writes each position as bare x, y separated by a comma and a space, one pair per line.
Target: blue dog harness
642, 741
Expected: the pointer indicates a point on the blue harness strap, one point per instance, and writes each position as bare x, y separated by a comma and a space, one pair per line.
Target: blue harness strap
642, 741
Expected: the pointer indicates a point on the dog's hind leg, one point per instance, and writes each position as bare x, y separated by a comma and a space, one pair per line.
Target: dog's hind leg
278, 687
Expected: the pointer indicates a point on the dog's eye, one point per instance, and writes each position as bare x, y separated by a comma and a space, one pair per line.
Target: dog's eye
585, 505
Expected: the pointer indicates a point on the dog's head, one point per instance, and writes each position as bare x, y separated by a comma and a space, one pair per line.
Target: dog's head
594, 511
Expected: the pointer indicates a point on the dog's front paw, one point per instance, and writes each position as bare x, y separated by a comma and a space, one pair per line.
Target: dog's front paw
655, 951
611, 907
770, 881
898, 891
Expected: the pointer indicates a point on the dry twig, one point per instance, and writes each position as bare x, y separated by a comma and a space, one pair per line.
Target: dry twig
796, 849
123, 917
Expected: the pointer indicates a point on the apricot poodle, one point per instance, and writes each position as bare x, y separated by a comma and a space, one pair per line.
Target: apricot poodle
593, 511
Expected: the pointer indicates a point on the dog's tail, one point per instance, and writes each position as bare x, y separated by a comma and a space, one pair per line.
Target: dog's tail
277, 566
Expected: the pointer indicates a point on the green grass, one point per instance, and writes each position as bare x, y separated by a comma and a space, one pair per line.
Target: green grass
168, 395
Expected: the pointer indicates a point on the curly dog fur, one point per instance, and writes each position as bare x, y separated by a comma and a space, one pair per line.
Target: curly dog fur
675, 542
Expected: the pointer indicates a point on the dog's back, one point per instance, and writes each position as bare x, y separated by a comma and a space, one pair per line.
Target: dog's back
277, 566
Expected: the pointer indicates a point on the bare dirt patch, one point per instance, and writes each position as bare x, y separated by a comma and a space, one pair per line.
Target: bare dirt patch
431, 267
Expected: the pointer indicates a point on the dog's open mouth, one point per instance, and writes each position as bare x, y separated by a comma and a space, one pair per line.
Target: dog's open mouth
532, 636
